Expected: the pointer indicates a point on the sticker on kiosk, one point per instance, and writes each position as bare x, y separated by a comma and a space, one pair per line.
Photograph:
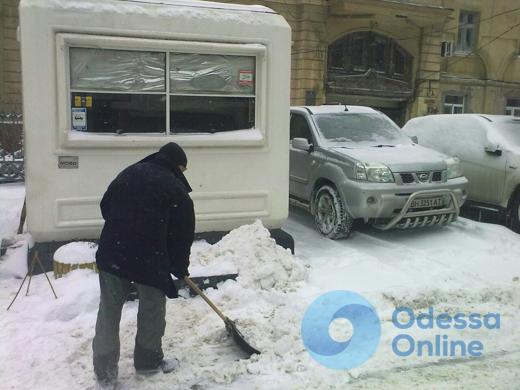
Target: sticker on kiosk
79, 118
245, 77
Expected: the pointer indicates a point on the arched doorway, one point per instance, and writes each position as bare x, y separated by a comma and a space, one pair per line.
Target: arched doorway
365, 68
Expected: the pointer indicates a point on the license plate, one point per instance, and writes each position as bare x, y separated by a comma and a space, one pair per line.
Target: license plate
427, 202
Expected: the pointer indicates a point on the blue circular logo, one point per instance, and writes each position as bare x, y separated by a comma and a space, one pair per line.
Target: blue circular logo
341, 355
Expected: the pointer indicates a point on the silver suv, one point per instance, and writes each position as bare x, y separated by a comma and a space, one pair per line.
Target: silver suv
352, 162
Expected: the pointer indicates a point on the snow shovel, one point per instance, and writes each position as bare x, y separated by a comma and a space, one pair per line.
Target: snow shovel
230, 325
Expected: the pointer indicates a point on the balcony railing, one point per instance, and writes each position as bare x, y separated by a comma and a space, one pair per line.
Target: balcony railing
11, 148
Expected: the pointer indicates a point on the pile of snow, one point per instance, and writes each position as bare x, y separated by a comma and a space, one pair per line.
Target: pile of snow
253, 254
266, 303
78, 252
14, 263
11, 201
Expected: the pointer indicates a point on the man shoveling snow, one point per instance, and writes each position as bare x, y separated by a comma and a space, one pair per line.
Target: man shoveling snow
148, 233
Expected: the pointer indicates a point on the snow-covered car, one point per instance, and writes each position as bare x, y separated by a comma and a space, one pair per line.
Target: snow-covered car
488, 147
353, 162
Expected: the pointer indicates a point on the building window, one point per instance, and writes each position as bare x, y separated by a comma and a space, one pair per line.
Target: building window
467, 36
380, 55
130, 91
513, 107
399, 61
336, 56
358, 52
453, 104
358, 58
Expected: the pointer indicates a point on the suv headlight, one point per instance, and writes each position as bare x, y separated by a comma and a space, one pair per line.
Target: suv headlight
377, 173
454, 168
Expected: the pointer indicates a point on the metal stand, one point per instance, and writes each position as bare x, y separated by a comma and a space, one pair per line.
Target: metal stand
22, 217
35, 259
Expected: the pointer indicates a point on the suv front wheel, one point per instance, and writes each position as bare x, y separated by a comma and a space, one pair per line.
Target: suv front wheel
331, 217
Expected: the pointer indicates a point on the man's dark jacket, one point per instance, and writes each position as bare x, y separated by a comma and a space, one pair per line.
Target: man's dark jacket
149, 224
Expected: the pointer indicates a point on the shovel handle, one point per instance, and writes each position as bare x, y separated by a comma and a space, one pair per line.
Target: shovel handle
195, 288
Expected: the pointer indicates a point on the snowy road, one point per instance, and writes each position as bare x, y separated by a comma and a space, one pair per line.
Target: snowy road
474, 253
467, 267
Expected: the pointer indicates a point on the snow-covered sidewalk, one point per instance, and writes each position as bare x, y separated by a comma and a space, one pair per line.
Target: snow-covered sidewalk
466, 267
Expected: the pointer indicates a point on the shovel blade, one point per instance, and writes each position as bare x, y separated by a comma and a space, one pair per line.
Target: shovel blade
239, 338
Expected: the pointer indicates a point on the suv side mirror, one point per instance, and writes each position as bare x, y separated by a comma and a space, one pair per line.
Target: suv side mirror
414, 139
301, 144
493, 150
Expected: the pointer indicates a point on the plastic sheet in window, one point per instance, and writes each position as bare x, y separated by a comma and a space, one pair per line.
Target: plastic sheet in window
117, 70
212, 74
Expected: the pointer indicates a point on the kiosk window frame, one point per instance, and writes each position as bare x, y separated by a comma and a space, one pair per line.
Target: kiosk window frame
117, 91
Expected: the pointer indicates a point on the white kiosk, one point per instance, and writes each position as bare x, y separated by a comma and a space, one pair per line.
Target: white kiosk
106, 82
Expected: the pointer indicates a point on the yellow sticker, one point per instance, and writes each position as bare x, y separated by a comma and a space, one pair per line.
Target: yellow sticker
77, 101
89, 101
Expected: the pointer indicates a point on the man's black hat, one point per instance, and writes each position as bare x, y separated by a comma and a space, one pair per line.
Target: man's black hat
174, 153
171, 155
170, 152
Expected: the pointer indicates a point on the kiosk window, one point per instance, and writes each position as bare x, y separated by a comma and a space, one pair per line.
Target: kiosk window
125, 91
117, 91
211, 93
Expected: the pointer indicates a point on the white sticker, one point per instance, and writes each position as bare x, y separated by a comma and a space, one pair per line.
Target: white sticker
79, 118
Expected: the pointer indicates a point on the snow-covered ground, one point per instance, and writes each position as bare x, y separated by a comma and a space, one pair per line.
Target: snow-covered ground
467, 267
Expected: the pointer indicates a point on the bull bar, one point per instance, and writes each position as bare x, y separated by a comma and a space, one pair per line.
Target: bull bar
409, 219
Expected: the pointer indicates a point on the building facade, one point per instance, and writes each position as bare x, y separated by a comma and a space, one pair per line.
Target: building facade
10, 69
10, 91
407, 58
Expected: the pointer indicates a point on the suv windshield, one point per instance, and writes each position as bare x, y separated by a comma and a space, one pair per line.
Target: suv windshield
359, 129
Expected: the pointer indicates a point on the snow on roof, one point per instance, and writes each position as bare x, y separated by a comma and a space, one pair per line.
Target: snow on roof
487, 118
163, 8
329, 109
